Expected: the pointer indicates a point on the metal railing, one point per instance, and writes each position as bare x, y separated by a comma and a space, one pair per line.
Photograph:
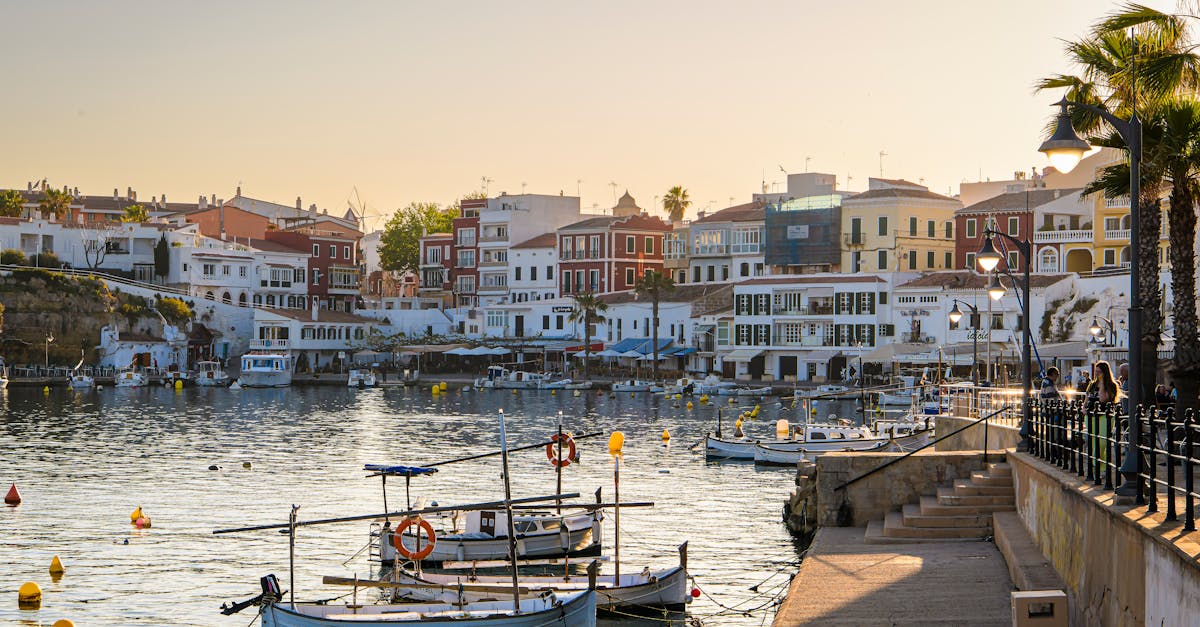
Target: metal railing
1090, 438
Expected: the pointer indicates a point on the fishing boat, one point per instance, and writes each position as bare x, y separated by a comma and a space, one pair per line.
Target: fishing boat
813, 439
361, 378
660, 589
566, 384
130, 377
501, 378
211, 374
769, 456
77, 379
742, 391
636, 385
266, 369
896, 398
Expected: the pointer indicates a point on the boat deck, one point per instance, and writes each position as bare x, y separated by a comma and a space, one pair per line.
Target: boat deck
844, 581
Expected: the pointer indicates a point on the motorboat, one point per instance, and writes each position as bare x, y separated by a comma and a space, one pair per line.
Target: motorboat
769, 456
896, 398
501, 378
77, 380
209, 373
743, 391
361, 378
815, 439
266, 369
566, 384
130, 377
665, 588
636, 385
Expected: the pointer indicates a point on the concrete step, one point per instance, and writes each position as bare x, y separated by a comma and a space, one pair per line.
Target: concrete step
914, 517
1027, 566
999, 468
947, 496
980, 477
964, 487
875, 535
894, 527
931, 506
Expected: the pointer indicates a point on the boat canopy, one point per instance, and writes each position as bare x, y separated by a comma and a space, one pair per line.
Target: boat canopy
399, 471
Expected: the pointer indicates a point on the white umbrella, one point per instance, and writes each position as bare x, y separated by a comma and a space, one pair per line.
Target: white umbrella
608, 352
458, 351
498, 351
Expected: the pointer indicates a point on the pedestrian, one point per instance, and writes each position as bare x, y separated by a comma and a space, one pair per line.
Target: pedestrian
1049, 391
1104, 385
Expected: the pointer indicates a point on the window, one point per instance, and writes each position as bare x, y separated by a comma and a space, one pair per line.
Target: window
465, 284
1012, 260
549, 273
558, 322
971, 227
316, 250
741, 305
932, 228
517, 273
649, 245
225, 270
497, 318
333, 251
695, 274
466, 237
970, 265
594, 247
928, 300
745, 239
593, 280
742, 333
532, 273
630, 244
724, 273
1110, 256
345, 252
745, 270
466, 258
209, 270
949, 232
883, 298
1112, 224
997, 321
712, 274
628, 277
316, 276
566, 282
912, 226
906, 300
856, 234
1014, 225
882, 226
433, 255
949, 260
912, 260
578, 280
242, 271
298, 275
723, 333
929, 258
883, 260
579, 246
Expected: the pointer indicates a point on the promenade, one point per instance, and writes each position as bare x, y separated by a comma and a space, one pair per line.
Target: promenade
844, 581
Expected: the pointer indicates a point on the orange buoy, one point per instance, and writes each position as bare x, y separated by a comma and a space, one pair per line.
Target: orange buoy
13, 497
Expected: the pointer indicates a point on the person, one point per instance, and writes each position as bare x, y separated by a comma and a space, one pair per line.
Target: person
1174, 392
1049, 390
1162, 397
1083, 383
1104, 386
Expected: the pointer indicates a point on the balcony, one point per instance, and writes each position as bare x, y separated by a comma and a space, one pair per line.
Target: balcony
710, 250
277, 345
492, 238
1063, 236
811, 310
492, 263
1116, 234
1120, 202
854, 239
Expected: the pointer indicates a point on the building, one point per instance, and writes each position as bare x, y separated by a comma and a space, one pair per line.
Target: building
728, 245
609, 253
464, 272
897, 225
435, 267
1057, 221
803, 235
531, 269
317, 338
509, 220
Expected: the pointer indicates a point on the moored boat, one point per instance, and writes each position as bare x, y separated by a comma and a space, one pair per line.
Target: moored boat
636, 385
501, 378
769, 456
130, 378
743, 391
265, 369
211, 374
361, 378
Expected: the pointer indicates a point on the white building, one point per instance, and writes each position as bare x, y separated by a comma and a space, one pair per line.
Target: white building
531, 269
320, 335
728, 245
508, 220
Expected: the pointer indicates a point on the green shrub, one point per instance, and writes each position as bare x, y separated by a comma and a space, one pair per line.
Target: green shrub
45, 260
13, 257
174, 310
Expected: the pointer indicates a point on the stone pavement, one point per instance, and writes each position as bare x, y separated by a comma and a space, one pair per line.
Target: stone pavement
844, 581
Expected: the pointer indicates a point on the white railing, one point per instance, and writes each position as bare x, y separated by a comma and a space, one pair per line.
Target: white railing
1116, 234
1073, 235
1116, 203
269, 344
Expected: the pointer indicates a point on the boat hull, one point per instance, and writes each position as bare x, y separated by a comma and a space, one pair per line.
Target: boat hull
575, 610
130, 380
576, 536
715, 448
894, 400
274, 379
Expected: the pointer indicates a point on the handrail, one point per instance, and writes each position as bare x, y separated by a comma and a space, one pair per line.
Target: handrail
923, 447
102, 276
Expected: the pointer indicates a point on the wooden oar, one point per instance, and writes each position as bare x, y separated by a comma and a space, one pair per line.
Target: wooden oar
330, 580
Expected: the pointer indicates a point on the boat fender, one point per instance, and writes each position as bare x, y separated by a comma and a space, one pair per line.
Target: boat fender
136, 514
423, 525
13, 497
29, 596
552, 450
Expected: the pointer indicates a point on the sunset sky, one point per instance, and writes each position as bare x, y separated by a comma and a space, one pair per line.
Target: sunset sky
416, 101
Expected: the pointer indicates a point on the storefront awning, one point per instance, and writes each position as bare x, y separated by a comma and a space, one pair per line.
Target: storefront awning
742, 355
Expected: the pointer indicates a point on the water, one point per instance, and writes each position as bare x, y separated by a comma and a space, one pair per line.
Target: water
84, 461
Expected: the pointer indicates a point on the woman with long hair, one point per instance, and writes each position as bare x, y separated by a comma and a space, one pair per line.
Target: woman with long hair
1103, 389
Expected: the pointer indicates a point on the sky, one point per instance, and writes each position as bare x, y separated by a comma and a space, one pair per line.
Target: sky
421, 101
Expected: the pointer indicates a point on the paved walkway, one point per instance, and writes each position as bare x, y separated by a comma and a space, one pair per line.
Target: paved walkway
844, 581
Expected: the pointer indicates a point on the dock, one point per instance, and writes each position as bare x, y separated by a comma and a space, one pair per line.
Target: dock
845, 581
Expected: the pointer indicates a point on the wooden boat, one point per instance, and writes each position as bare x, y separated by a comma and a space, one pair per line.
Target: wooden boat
743, 391
361, 378
484, 536
130, 378
211, 374
636, 385
664, 589
768, 456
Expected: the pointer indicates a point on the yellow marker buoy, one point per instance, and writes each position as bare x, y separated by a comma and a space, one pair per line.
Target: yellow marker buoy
578, 393
732, 401
616, 442
442, 386
137, 513
703, 398
46, 390
178, 384
553, 392
689, 405
514, 392
666, 436
62, 622
29, 596
631, 395
436, 390
56, 567
678, 396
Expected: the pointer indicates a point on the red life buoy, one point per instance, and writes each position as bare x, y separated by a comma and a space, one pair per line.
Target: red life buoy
423, 525
552, 450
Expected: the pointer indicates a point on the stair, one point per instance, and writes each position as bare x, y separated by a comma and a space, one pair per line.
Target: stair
960, 512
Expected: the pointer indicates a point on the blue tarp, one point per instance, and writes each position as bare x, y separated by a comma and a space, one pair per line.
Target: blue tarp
683, 352
628, 344
402, 471
647, 345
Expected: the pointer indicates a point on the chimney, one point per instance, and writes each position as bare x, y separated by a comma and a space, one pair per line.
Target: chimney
213, 200
239, 190
29, 186
129, 193
75, 192
116, 193
164, 200
1057, 193
298, 205
202, 203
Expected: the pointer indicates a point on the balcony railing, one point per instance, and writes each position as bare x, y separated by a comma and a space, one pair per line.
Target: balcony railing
1072, 235
1120, 202
493, 238
854, 239
1116, 234
269, 344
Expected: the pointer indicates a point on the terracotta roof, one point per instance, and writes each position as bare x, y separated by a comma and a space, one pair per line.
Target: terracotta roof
589, 223
898, 182
1015, 201
749, 212
898, 193
275, 247
799, 279
545, 240
323, 315
967, 280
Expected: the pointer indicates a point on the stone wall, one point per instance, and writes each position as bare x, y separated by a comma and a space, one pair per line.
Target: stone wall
1122, 565
999, 437
887, 490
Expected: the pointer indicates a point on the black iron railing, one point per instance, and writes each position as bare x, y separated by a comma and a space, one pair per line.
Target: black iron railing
1089, 439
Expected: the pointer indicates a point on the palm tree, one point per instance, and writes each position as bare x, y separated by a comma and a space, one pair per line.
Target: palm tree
56, 202
588, 309
655, 285
676, 203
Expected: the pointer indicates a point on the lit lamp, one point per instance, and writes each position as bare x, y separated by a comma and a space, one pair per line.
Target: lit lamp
1065, 148
996, 289
955, 315
1095, 328
988, 259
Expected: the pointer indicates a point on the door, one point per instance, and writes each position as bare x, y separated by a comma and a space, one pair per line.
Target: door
519, 323
757, 366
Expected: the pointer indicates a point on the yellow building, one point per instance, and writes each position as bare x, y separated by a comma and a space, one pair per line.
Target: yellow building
897, 226
1111, 225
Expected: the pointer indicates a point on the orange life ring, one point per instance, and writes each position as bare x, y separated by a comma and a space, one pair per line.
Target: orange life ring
423, 525
552, 450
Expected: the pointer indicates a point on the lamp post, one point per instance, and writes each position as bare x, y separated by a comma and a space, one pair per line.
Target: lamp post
956, 314
1065, 149
988, 259
1110, 332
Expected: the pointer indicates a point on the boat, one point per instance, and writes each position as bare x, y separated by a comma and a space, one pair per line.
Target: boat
769, 456
546, 609
899, 397
666, 588
816, 439
501, 378
743, 391
483, 535
266, 369
361, 378
3, 377
130, 378
211, 374
823, 391
566, 384
77, 379
636, 385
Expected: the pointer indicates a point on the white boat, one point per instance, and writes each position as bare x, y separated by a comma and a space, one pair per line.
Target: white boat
897, 398
743, 391
484, 536
566, 384
130, 378
635, 385
769, 456
211, 374
660, 589
77, 379
361, 378
812, 438
3, 377
823, 391
266, 370
501, 378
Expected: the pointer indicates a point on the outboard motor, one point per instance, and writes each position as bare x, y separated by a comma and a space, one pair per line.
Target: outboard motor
270, 594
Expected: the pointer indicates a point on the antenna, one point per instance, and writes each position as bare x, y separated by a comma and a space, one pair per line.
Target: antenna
578, 182
485, 181
522, 188
613, 184
882, 154
806, 160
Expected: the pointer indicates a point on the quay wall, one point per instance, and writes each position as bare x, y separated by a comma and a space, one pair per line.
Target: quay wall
1122, 566
999, 437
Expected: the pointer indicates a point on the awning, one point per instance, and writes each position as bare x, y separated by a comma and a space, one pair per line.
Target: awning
704, 329
579, 348
684, 352
629, 344
458, 351
742, 355
609, 353
819, 292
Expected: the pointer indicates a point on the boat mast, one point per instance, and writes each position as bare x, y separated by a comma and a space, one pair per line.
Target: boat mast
558, 466
512, 526
292, 555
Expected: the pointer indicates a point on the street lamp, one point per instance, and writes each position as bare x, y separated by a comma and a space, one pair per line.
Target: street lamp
1095, 329
956, 314
988, 258
1066, 148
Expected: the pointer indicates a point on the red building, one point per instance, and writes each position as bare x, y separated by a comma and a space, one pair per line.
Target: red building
1005, 213
464, 254
609, 253
334, 275
436, 265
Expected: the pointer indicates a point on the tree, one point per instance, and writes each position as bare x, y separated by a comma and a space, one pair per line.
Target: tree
162, 258
98, 240
12, 203
676, 203
56, 203
399, 246
13, 257
174, 310
588, 309
655, 285
135, 213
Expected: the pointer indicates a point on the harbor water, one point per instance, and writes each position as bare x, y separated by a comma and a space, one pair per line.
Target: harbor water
84, 461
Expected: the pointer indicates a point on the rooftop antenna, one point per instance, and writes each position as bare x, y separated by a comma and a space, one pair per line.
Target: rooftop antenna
522, 188
613, 184
882, 154
578, 182
485, 181
806, 160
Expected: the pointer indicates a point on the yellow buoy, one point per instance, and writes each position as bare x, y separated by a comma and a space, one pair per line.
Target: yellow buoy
56, 567
553, 392
678, 396
442, 385
46, 390
63, 623
703, 398
689, 406
436, 390
514, 392
616, 442
137, 513
578, 393
178, 384
631, 395
666, 436
29, 595
732, 401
